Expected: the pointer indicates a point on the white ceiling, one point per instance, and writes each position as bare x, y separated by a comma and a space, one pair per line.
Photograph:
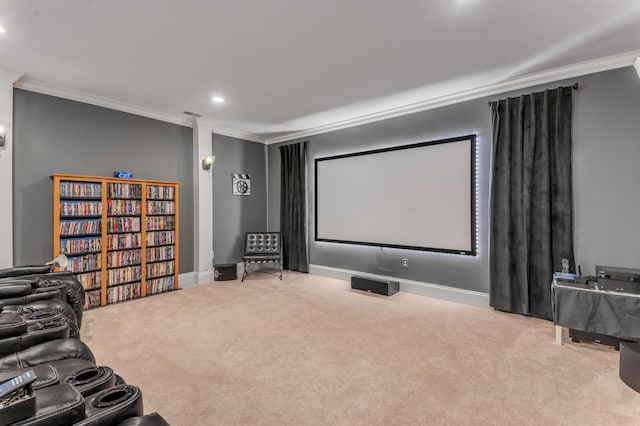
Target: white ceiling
287, 66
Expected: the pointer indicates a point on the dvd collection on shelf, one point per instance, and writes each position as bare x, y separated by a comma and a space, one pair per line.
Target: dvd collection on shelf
123, 207
80, 208
80, 245
124, 275
123, 292
86, 262
160, 192
155, 223
90, 280
157, 254
117, 224
161, 269
80, 190
93, 299
159, 285
160, 238
117, 260
124, 258
161, 207
80, 227
123, 241
124, 190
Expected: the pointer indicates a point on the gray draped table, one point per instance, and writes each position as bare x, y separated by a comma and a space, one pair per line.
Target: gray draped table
595, 311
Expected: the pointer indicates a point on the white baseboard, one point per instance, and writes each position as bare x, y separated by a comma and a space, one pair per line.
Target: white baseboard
192, 279
204, 277
186, 280
452, 294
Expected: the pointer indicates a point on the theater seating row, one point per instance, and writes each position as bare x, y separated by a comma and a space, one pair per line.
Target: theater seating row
48, 376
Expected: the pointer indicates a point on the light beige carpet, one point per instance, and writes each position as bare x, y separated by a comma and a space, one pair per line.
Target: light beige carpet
310, 351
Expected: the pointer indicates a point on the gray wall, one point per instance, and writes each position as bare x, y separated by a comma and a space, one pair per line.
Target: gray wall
606, 170
54, 135
606, 175
233, 215
457, 271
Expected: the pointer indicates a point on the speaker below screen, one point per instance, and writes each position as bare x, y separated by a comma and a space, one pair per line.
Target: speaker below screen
386, 288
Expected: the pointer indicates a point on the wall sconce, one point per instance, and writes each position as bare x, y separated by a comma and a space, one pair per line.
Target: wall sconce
207, 162
3, 136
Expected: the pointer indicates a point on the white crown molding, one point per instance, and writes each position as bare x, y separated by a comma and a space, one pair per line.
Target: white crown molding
9, 76
60, 92
543, 77
239, 135
534, 79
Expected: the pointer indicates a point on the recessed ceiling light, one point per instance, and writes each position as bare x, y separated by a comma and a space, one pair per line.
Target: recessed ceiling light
217, 99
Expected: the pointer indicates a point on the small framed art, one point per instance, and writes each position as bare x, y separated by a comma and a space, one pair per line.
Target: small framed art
240, 184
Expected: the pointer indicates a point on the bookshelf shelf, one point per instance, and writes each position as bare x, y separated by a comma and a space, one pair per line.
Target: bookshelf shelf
67, 236
159, 260
120, 235
123, 283
159, 245
80, 253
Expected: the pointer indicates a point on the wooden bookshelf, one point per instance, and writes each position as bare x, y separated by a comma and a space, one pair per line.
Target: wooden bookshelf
120, 235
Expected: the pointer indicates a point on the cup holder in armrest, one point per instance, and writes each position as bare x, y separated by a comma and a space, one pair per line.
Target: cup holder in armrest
112, 406
113, 396
91, 380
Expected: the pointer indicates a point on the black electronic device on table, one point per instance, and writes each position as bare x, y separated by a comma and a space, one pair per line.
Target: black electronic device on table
614, 278
618, 273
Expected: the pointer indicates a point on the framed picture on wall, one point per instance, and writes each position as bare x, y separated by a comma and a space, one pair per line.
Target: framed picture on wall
240, 184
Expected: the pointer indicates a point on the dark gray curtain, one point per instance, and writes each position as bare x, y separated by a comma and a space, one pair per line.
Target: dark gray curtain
531, 199
293, 206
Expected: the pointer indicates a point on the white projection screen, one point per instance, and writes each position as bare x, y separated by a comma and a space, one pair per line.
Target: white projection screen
419, 197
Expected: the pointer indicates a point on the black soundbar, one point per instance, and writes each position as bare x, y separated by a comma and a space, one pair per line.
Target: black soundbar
386, 288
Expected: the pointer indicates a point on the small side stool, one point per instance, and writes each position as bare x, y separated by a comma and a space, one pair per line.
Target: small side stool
630, 364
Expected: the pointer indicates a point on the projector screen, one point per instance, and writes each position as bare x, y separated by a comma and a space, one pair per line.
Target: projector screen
419, 197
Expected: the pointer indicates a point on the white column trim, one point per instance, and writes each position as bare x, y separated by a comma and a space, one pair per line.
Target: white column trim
203, 203
7, 78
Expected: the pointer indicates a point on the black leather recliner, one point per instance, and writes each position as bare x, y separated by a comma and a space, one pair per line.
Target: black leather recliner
49, 305
63, 404
18, 332
75, 392
39, 311
71, 290
43, 353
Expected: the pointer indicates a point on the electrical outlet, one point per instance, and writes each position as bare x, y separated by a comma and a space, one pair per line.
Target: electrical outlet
405, 263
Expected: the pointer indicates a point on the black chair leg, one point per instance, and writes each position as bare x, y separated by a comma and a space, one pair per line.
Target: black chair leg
280, 271
244, 273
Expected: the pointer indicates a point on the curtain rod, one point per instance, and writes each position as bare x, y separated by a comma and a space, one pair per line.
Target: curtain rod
574, 86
